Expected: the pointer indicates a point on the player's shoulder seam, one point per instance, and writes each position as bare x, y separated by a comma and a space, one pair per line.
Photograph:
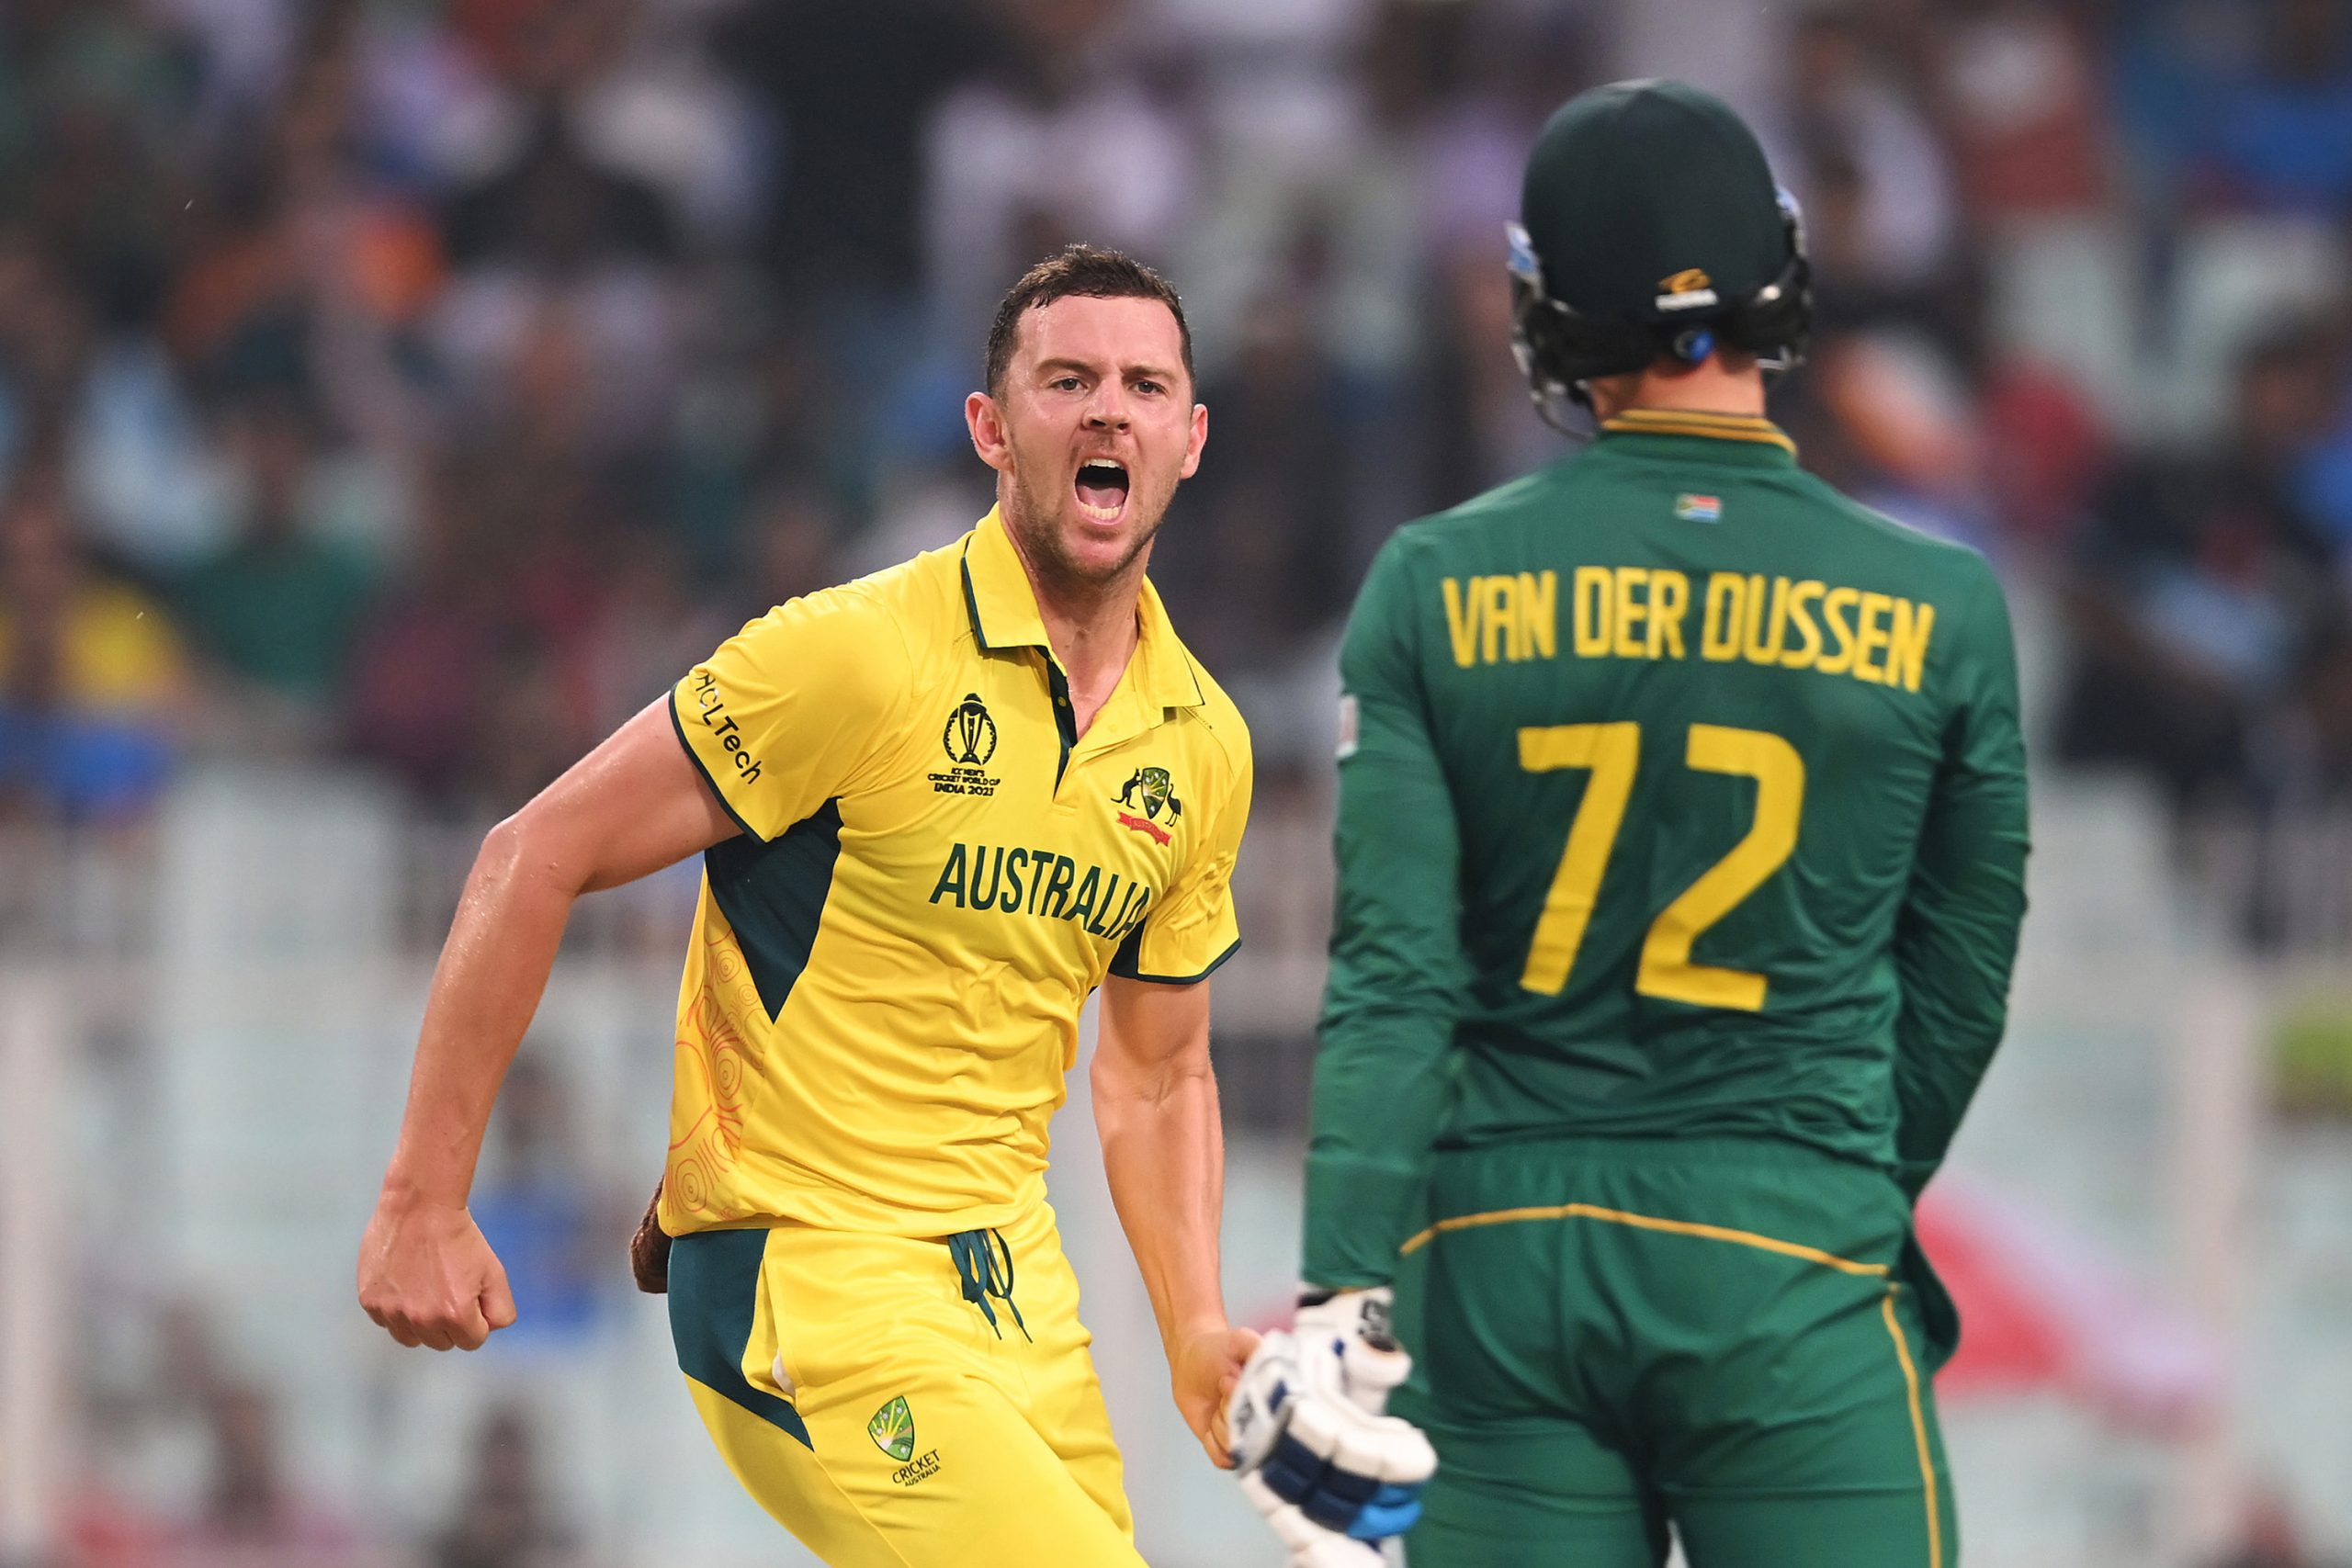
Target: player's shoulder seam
1221, 716
867, 599
1217, 715
922, 593
1504, 504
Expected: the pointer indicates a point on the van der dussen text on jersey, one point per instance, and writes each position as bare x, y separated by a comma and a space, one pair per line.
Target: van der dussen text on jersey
1634, 612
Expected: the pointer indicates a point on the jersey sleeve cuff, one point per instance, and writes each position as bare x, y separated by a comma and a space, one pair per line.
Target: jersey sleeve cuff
1127, 964
709, 781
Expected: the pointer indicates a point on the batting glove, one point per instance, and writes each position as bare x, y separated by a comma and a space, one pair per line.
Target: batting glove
1331, 1473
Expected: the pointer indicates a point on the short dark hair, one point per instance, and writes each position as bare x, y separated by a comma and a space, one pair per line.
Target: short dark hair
1083, 271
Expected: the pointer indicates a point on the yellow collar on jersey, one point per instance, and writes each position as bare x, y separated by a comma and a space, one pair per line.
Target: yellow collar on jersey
1695, 422
1004, 613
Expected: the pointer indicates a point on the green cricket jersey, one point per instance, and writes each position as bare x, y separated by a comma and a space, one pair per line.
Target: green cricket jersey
1680, 796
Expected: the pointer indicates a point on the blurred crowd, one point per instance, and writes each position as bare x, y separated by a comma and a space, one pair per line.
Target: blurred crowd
429, 382
194, 1456
422, 386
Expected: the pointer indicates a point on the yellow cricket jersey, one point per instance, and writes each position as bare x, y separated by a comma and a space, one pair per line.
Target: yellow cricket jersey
881, 998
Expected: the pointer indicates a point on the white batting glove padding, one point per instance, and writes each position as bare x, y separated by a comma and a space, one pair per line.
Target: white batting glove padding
1330, 1472
1309, 1544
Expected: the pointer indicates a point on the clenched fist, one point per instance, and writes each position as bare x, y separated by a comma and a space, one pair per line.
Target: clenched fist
1206, 1367
428, 1278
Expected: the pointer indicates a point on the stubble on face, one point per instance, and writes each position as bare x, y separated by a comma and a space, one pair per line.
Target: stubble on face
1033, 521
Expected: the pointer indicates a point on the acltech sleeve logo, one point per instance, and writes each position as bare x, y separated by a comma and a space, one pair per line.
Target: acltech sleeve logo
723, 727
1158, 795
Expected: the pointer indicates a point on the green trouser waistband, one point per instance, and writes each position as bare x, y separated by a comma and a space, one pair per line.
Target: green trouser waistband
1775, 1194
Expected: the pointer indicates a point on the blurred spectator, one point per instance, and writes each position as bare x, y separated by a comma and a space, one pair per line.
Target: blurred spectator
154, 1409
2019, 96
422, 662
2279, 137
657, 106
533, 726
536, 1208
1060, 141
254, 1516
135, 460
2239, 106
1354, 182
1904, 432
2314, 747
2052, 446
91, 675
1257, 546
1516, 72
847, 202
562, 303
589, 328
651, 629
103, 85
277, 609
505, 1519
2198, 582
1864, 161
1479, 422
2322, 476
2270, 1537
553, 207
794, 532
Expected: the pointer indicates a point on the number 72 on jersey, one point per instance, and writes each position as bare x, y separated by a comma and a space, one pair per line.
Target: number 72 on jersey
1613, 754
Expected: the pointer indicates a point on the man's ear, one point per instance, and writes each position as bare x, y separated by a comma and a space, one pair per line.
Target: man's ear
985, 419
1200, 439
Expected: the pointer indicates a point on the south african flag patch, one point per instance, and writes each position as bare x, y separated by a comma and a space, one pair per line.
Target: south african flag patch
1699, 508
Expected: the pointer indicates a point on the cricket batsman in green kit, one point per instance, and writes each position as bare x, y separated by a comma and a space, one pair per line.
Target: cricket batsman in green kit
1682, 846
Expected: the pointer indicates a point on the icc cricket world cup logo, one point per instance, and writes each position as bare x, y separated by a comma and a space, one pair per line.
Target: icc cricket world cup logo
970, 738
1158, 794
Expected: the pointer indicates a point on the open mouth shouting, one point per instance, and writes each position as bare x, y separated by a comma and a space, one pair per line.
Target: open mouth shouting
1102, 488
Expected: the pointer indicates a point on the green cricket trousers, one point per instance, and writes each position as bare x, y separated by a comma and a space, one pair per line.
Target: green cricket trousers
1733, 1335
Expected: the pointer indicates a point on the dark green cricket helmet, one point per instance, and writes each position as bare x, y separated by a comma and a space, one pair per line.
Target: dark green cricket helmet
1650, 225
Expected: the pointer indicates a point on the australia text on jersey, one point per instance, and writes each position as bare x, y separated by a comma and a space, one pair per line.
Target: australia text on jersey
1041, 882
1635, 611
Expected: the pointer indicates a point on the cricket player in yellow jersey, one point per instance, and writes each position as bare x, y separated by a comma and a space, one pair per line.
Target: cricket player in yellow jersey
937, 807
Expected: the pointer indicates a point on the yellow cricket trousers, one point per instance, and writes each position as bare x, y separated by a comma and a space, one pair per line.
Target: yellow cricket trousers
901, 1403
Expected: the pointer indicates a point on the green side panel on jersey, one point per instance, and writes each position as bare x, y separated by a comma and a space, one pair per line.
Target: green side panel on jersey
714, 1293
774, 897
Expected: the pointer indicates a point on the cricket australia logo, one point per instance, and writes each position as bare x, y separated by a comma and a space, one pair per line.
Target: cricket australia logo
970, 740
1158, 794
893, 1431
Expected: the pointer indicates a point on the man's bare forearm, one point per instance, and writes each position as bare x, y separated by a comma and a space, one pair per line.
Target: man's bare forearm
631, 806
1163, 1151
493, 970
635, 804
